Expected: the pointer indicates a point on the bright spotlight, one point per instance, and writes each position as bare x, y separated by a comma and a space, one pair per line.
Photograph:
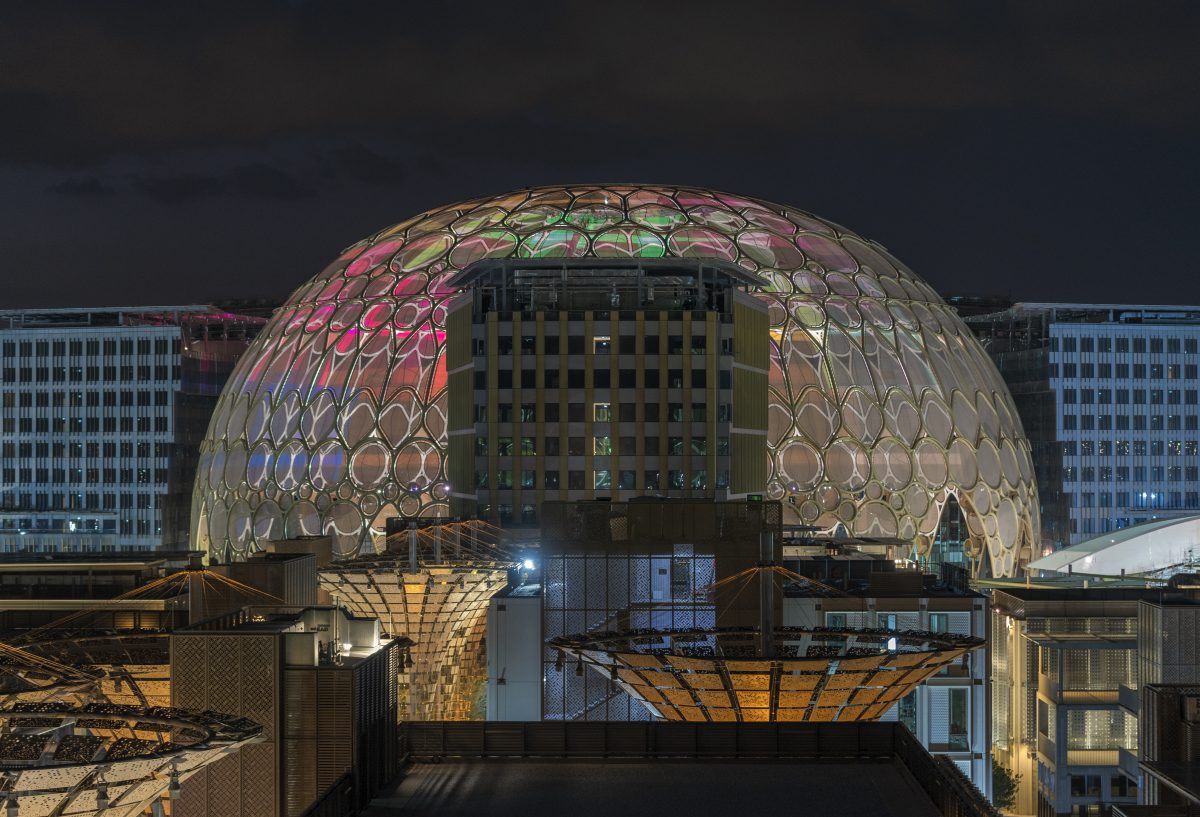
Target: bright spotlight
527, 564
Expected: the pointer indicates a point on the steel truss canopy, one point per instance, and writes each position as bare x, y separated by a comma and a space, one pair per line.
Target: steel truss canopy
107, 760
815, 674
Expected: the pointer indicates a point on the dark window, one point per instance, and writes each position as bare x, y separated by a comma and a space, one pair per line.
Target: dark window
575, 413
650, 410
628, 412
628, 378
699, 378
552, 449
551, 342
575, 345
575, 378
575, 480
650, 344
601, 378
628, 344
575, 446
551, 411
651, 378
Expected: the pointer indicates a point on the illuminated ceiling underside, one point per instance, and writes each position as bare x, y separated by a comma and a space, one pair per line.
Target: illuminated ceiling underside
442, 609
815, 675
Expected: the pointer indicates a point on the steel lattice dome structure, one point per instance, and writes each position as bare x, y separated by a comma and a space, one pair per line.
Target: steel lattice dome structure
882, 403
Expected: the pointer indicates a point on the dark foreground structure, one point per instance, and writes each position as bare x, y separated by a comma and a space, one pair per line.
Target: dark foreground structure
700, 769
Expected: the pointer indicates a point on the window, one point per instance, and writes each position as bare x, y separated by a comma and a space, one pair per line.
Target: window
602, 412
528, 446
575, 447
504, 446
528, 412
603, 479
699, 446
551, 481
939, 622
959, 719
527, 478
627, 481
650, 480
602, 446
551, 448
575, 480
602, 344
675, 445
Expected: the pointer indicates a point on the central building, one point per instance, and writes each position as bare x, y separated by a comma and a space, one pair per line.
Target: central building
604, 379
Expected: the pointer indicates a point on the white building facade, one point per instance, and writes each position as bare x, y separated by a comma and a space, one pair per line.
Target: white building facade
89, 404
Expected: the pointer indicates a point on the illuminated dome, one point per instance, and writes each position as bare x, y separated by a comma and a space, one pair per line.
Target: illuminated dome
882, 404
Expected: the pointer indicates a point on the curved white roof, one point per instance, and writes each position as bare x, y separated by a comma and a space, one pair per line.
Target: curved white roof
1146, 548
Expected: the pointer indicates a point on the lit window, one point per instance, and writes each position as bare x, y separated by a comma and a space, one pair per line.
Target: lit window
603, 344
602, 412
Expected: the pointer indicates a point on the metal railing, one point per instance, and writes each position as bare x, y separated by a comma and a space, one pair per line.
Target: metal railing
952, 793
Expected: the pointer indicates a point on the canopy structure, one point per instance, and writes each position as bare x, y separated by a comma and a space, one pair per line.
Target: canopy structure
132, 667
813, 674
108, 760
434, 589
1159, 548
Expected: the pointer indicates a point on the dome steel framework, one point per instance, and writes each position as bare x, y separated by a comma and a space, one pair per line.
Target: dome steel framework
882, 405
814, 674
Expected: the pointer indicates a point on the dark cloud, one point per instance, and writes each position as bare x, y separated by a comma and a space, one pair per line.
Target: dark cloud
95, 80
361, 164
81, 187
252, 181
1040, 150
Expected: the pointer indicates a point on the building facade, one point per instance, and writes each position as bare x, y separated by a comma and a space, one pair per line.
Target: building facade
98, 421
1061, 659
1109, 396
589, 379
949, 713
323, 685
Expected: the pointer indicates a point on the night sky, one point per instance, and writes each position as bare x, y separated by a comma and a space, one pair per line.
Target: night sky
184, 152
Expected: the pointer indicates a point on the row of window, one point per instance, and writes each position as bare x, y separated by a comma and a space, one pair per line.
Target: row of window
601, 445
1137, 397
602, 379
602, 344
1163, 500
1121, 371
603, 479
1135, 448
85, 399
601, 413
1156, 346
82, 425
84, 476
92, 450
92, 347
81, 501
1122, 473
1125, 422
89, 374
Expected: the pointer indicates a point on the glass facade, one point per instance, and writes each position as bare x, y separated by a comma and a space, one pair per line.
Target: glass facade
881, 407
